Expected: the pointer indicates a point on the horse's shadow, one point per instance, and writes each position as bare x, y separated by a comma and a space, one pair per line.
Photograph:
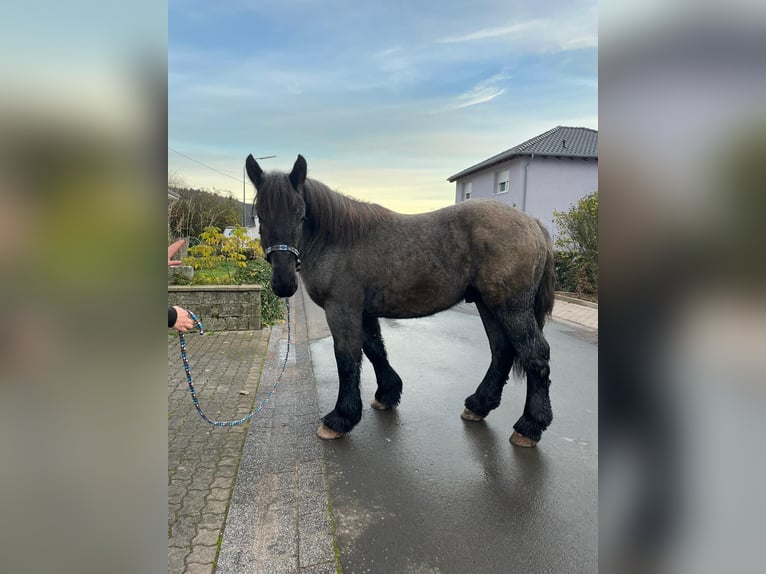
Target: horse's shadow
492, 452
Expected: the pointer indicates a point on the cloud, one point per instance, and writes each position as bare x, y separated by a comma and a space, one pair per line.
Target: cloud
580, 42
538, 35
495, 32
475, 97
481, 93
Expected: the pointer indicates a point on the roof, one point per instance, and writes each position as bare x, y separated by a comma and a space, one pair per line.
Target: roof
559, 142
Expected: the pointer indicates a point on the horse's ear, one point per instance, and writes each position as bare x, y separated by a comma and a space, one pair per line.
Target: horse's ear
254, 171
298, 175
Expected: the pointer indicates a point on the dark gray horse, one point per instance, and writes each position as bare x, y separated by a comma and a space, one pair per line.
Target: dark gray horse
361, 261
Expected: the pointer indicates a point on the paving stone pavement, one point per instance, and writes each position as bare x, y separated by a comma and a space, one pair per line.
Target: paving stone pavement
576, 313
202, 460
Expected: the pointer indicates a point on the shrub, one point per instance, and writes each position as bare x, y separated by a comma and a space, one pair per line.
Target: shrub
574, 274
577, 244
271, 305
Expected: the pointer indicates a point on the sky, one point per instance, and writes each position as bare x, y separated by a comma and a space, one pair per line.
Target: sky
385, 100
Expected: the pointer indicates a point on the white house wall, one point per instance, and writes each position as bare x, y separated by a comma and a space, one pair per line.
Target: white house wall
556, 184
553, 184
483, 184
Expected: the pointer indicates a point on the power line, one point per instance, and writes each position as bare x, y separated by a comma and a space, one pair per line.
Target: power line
207, 166
242, 181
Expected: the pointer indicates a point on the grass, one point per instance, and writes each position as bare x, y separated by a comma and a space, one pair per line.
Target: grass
226, 273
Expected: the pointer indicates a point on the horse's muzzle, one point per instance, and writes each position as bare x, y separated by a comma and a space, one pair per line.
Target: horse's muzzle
284, 284
284, 290
284, 270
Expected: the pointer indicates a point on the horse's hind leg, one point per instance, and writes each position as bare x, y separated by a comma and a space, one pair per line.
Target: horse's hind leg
489, 391
389, 383
533, 357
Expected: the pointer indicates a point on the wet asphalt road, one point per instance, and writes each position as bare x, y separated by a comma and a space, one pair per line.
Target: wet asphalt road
419, 490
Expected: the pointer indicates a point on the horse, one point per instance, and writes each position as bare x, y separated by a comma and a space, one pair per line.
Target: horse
362, 262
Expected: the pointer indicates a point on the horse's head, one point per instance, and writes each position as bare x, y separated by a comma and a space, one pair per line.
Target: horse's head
281, 211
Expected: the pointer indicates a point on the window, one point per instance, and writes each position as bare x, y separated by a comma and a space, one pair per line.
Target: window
466, 190
502, 181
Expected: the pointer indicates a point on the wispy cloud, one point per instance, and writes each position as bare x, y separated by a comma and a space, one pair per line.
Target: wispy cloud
486, 33
540, 35
477, 96
483, 92
580, 42
396, 66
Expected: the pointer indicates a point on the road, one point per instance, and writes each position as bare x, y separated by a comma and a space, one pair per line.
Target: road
419, 490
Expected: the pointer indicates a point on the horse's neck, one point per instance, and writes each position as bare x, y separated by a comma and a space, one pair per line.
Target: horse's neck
338, 220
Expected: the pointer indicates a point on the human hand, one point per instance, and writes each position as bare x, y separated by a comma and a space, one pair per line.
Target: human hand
184, 322
172, 250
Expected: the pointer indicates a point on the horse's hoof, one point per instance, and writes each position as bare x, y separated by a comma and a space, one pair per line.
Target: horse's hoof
378, 406
326, 433
470, 416
520, 440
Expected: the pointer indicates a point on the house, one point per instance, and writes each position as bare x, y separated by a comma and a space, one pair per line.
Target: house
251, 232
547, 173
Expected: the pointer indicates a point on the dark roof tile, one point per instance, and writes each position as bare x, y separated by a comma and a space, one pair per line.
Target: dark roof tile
559, 142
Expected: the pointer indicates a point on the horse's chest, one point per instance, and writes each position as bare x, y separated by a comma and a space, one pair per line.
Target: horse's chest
316, 288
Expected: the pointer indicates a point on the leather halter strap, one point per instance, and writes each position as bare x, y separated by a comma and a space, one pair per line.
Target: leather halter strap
289, 248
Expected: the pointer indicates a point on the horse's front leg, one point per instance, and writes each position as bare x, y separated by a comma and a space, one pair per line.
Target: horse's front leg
346, 328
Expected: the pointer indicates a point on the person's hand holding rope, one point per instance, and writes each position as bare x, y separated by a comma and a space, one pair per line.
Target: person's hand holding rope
182, 321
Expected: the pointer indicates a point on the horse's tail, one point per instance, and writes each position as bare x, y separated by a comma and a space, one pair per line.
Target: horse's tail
544, 297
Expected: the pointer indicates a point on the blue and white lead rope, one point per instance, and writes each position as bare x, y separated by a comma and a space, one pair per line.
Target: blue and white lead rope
247, 417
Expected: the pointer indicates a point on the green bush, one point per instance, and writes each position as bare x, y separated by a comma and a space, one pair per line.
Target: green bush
577, 247
271, 306
575, 274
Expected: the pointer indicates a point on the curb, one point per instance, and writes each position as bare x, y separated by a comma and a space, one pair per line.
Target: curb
570, 299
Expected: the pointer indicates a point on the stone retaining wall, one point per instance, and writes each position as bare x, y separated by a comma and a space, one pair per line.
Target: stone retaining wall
220, 307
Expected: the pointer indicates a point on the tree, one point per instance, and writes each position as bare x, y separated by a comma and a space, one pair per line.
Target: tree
175, 180
577, 243
197, 209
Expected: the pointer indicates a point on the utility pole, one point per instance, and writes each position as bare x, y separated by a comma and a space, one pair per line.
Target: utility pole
244, 198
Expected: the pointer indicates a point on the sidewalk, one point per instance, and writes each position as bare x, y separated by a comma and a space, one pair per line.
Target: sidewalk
581, 314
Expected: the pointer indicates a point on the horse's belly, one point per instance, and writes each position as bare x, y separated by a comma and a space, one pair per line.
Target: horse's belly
415, 302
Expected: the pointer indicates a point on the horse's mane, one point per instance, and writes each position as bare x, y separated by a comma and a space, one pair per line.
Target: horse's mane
335, 217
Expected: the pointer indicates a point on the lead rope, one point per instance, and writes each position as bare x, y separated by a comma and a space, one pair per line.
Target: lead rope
247, 417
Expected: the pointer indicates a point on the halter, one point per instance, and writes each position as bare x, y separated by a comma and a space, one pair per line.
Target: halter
289, 248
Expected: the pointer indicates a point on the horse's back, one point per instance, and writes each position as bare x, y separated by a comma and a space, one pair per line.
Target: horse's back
492, 213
